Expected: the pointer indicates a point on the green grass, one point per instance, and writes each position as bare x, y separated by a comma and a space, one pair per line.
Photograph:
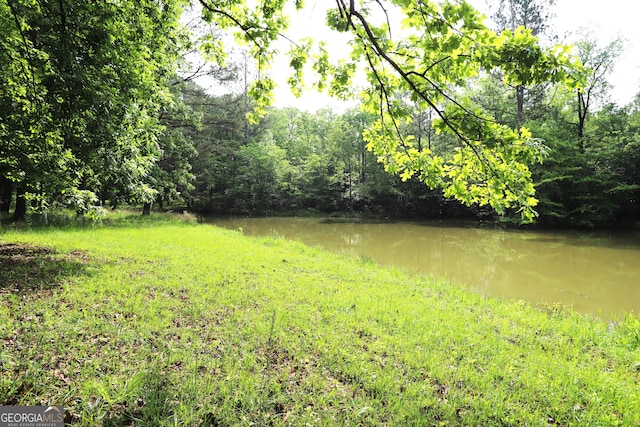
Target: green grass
155, 322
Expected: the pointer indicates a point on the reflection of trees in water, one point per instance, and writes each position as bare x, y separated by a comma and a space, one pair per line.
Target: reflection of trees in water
590, 272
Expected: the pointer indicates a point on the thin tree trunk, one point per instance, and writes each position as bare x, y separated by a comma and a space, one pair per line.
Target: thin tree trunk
583, 107
520, 111
20, 212
6, 191
350, 189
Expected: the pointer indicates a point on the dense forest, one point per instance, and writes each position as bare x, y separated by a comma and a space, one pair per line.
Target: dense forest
297, 162
97, 111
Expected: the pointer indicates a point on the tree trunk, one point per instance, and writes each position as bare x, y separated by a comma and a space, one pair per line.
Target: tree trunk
520, 111
583, 107
350, 189
6, 191
146, 209
20, 212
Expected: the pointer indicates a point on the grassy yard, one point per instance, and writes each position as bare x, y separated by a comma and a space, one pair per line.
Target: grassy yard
161, 321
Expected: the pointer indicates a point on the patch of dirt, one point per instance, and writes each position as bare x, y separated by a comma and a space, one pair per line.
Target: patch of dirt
22, 250
25, 267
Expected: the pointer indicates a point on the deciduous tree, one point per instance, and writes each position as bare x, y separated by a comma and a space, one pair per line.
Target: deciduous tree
83, 84
600, 62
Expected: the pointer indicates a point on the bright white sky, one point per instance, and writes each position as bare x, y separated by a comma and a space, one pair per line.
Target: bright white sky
608, 19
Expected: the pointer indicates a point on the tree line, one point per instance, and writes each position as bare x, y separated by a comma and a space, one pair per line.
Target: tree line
98, 109
303, 163
296, 162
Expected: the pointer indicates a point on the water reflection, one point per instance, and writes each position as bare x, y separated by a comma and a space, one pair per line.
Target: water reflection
597, 273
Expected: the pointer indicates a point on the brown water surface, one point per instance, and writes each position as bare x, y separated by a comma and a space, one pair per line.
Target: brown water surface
596, 273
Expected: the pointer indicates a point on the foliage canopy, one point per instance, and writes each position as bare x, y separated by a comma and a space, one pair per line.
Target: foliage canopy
83, 88
441, 46
86, 90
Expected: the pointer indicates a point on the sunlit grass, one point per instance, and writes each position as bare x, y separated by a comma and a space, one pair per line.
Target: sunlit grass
162, 321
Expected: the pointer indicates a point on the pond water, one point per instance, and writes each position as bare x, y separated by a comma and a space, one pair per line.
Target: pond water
596, 273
